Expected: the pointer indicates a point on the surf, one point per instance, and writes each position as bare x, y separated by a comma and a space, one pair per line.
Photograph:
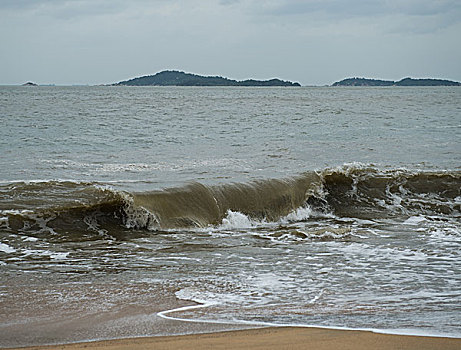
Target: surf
364, 192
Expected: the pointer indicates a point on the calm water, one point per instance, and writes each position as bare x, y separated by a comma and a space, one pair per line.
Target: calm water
310, 206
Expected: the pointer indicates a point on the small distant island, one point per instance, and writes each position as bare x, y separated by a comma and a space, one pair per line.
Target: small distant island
177, 78
29, 83
403, 82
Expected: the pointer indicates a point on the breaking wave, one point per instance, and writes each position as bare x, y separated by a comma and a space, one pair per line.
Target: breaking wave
365, 192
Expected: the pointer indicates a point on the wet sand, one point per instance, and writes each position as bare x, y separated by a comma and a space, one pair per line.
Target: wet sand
272, 338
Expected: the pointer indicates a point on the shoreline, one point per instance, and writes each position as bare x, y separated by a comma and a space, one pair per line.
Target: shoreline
269, 338
257, 325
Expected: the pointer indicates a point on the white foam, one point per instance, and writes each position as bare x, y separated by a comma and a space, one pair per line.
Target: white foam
59, 255
300, 214
40, 181
28, 252
269, 281
347, 168
315, 298
236, 220
16, 212
194, 295
398, 331
50, 254
163, 314
414, 220
138, 217
209, 297
167, 258
6, 248
355, 250
198, 297
330, 233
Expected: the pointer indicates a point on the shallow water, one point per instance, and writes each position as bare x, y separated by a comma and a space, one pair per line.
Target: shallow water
316, 206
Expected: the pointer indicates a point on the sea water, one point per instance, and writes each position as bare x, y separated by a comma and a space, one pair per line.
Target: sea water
125, 207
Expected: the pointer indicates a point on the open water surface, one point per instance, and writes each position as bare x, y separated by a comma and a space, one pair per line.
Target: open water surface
336, 207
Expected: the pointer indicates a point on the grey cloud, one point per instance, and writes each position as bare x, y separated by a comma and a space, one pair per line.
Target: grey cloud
66, 9
364, 7
272, 7
17, 4
327, 6
74, 9
228, 2
391, 16
425, 7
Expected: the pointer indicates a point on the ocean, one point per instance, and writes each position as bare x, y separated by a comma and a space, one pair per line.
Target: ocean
135, 211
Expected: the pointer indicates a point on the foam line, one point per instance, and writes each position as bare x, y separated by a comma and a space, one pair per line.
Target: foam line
163, 314
408, 332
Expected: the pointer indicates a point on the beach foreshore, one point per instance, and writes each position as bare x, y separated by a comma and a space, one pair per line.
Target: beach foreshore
271, 338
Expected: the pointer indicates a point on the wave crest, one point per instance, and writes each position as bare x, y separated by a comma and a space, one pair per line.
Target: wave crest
365, 192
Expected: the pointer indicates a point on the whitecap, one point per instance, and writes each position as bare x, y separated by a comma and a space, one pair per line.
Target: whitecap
6, 248
236, 220
414, 220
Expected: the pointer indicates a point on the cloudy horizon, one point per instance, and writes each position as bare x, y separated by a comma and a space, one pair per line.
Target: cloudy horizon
313, 42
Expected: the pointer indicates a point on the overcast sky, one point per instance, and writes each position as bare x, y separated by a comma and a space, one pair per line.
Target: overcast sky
314, 42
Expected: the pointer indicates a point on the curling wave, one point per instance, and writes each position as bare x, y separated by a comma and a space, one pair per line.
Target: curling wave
76, 208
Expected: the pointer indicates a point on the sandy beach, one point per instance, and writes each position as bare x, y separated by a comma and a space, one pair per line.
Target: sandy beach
272, 338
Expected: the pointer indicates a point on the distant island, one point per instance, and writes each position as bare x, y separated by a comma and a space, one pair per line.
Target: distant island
29, 83
403, 82
177, 78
